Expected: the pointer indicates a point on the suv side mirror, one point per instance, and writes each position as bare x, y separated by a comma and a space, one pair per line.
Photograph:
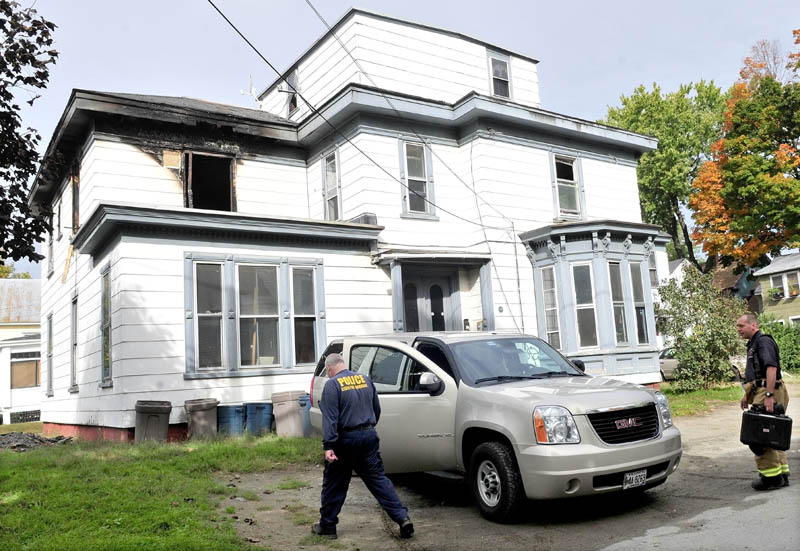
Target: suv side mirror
430, 383
580, 365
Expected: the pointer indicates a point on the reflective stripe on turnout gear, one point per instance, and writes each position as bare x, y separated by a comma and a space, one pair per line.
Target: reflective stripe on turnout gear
775, 471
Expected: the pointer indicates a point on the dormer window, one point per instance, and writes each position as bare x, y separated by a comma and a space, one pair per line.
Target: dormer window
499, 75
291, 89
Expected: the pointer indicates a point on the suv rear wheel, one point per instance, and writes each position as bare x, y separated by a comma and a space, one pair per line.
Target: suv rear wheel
495, 482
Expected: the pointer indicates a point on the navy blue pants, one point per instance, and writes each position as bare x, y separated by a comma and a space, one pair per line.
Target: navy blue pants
357, 451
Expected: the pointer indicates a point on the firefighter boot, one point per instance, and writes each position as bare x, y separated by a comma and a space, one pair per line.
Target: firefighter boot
767, 483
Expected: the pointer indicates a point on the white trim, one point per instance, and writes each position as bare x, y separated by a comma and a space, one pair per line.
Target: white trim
572, 267
794, 320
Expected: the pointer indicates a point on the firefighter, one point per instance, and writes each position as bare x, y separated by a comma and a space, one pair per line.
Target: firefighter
764, 386
350, 410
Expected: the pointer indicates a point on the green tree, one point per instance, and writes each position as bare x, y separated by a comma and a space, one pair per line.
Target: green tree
686, 123
701, 322
787, 337
25, 57
8, 272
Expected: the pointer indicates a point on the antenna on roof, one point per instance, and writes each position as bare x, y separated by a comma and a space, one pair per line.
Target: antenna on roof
251, 91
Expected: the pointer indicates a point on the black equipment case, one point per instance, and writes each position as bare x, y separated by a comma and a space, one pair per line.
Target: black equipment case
766, 429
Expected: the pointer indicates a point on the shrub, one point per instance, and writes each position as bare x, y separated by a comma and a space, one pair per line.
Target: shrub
788, 339
702, 324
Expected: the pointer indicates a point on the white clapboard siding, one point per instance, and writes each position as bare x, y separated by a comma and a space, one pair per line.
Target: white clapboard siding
271, 189
401, 58
611, 191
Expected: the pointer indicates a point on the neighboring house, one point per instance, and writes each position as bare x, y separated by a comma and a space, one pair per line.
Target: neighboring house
20, 393
779, 287
214, 251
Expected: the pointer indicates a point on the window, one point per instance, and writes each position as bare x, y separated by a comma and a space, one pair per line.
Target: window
584, 305
252, 314
638, 303
793, 289
258, 316
389, 369
567, 183
501, 82
73, 359
291, 90
304, 316
418, 193
618, 303
25, 370
208, 182
50, 355
794, 321
58, 221
209, 326
777, 283
50, 263
105, 323
76, 186
332, 189
551, 307
651, 263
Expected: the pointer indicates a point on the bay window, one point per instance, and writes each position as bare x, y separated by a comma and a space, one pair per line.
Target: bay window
617, 303
638, 303
584, 305
551, 307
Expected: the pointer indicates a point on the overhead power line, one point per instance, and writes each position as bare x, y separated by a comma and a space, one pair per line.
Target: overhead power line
339, 132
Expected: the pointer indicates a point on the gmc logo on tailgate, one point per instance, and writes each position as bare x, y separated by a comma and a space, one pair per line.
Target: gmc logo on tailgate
628, 423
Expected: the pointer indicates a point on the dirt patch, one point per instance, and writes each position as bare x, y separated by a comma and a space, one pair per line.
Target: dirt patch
275, 510
23, 441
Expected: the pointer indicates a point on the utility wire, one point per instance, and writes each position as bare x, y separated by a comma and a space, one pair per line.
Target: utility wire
400, 115
472, 189
335, 129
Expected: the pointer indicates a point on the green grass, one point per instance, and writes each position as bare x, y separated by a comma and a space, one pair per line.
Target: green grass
123, 496
700, 401
21, 427
292, 484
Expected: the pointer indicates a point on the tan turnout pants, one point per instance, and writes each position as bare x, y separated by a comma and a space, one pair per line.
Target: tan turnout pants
771, 462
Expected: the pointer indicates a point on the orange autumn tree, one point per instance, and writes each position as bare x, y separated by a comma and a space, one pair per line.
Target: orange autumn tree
746, 199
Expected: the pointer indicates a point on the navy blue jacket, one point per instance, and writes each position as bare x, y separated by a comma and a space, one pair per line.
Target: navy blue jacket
348, 400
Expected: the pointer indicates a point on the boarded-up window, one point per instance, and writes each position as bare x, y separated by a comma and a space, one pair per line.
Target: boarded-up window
25, 370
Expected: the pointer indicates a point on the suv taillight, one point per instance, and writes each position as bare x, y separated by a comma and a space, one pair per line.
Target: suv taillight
311, 390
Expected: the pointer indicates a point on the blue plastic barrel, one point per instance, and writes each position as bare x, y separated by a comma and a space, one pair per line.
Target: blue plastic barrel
230, 420
305, 414
258, 417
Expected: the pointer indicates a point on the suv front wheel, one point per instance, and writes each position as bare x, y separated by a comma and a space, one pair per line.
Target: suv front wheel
495, 482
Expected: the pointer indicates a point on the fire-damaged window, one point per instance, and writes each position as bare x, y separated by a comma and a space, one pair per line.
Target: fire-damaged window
208, 182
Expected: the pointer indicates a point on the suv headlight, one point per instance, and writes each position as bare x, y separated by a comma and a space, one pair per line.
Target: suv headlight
663, 407
555, 425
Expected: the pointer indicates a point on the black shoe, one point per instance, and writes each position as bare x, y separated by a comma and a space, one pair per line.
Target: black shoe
406, 528
767, 483
785, 477
329, 533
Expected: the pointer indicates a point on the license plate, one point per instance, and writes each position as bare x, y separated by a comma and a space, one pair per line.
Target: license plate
634, 479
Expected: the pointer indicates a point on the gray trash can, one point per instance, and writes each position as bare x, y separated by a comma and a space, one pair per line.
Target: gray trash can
202, 416
286, 408
152, 420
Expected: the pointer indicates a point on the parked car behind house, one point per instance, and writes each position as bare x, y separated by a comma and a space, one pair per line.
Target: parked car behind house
510, 412
668, 363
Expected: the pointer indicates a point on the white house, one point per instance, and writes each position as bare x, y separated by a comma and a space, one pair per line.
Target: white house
214, 250
20, 370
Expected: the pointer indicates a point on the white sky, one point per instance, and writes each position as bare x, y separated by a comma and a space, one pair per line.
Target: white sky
590, 52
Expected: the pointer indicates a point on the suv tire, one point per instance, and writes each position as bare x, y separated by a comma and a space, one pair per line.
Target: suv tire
495, 482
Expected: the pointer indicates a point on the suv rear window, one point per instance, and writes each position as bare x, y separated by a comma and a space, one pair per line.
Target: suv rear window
333, 348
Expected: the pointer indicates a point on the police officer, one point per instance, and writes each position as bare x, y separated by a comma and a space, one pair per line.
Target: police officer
764, 386
350, 410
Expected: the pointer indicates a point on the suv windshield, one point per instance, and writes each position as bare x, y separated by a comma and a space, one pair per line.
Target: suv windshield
505, 359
